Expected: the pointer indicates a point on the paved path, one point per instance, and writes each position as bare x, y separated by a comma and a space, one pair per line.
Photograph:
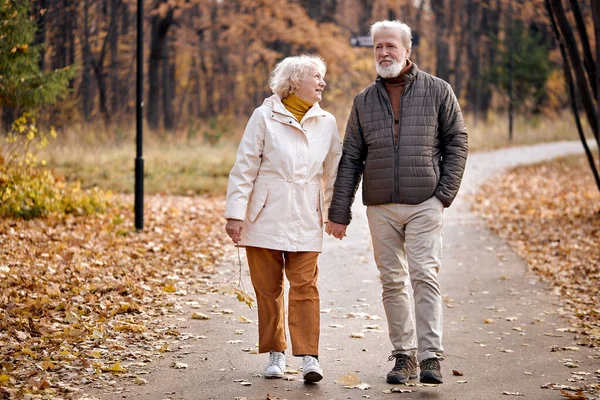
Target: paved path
482, 278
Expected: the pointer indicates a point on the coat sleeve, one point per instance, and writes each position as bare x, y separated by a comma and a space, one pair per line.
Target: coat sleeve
330, 169
352, 165
244, 171
453, 134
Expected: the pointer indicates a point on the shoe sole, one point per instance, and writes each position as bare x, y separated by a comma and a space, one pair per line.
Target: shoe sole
394, 380
273, 376
429, 377
312, 377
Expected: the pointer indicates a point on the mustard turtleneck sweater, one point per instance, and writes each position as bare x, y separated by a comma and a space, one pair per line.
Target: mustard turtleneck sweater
296, 106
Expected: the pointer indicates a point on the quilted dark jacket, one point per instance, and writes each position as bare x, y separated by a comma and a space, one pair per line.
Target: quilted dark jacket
429, 158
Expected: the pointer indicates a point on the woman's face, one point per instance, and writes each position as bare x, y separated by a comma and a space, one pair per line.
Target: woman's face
311, 85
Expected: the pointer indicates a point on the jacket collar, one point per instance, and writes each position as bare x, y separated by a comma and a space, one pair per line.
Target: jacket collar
279, 110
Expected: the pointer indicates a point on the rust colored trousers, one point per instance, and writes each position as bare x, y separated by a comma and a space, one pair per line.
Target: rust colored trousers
266, 271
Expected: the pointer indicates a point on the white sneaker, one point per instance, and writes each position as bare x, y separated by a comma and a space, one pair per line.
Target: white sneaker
311, 370
276, 366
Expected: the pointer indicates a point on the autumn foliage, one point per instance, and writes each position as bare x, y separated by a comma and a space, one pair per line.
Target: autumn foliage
28, 189
81, 297
550, 214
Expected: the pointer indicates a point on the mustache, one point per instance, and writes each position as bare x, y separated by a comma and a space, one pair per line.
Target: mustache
387, 59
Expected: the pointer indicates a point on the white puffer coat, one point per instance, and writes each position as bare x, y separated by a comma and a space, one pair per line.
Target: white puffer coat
282, 181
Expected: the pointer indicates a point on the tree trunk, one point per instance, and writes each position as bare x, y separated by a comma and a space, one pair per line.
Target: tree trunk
159, 30
490, 29
572, 92
588, 60
442, 47
168, 70
321, 11
87, 101
596, 19
458, 70
40, 15
473, 50
581, 82
116, 98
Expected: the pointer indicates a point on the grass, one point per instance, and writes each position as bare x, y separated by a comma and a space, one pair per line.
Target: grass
527, 130
182, 166
180, 169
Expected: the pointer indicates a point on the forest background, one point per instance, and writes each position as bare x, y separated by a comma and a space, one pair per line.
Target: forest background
207, 63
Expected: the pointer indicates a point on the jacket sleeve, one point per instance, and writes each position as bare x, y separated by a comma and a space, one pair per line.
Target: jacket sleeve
454, 141
330, 169
352, 165
244, 171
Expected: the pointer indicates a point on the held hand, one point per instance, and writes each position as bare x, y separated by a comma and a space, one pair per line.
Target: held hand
337, 230
234, 229
327, 228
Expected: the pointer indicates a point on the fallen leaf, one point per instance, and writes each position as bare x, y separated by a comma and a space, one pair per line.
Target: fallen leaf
457, 373
397, 390
576, 396
349, 380
200, 316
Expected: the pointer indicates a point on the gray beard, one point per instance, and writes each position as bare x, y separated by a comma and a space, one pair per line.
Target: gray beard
389, 72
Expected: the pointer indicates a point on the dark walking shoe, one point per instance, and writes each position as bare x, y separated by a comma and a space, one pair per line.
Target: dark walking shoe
404, 369
431, 371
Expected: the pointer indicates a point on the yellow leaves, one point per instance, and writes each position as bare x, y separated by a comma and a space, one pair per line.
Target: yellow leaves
239, 293
200, 316
130, 328
53, 289
125, 308
95, 354
349, 380
549, 214
77, 298
577, 396
23, 48
27, 351
116, 368
163, 348
169, 288
48, 366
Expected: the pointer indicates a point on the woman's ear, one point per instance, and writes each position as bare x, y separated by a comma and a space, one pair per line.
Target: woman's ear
295, 85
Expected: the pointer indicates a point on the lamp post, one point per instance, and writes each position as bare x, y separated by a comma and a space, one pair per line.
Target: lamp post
139, 161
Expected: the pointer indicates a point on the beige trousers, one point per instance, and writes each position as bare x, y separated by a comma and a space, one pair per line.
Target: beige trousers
266, 271
407, 244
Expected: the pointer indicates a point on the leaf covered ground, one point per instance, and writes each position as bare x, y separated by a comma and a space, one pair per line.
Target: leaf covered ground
80, 296
550, 214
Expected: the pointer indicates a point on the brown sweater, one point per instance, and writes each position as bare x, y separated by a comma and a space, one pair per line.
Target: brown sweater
395, 89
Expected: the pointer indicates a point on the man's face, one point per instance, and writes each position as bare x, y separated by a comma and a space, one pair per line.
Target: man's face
390, 55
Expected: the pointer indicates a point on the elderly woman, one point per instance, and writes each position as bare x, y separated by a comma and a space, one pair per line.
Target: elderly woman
279, 190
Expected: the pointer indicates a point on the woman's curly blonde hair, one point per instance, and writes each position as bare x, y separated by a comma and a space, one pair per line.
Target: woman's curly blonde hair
285, 77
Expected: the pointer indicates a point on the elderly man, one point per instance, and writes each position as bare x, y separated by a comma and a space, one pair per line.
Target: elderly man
407, 136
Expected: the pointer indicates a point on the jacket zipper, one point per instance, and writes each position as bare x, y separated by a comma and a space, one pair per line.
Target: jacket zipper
391, 113
397, 145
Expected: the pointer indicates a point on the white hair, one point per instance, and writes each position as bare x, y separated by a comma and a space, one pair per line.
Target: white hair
402, 28
285, 77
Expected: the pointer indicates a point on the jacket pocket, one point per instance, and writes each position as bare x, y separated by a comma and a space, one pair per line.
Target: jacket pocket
257, 204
